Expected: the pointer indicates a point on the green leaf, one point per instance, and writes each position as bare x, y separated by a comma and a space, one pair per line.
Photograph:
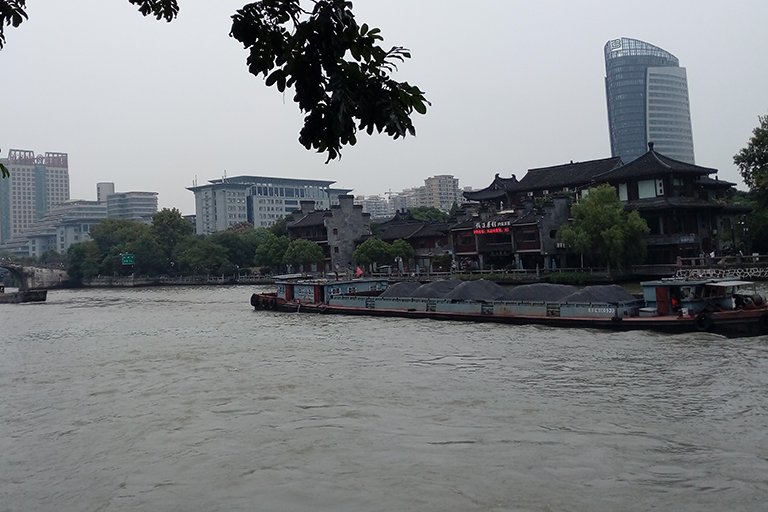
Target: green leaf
274, 77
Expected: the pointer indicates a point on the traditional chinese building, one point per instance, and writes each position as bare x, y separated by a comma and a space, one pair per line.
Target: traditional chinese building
336, 230
685, 209
430, 240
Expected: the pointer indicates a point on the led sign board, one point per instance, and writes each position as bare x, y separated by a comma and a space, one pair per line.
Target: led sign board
492, 227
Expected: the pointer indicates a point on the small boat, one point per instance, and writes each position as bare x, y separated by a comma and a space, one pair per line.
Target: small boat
728, 307
32, 295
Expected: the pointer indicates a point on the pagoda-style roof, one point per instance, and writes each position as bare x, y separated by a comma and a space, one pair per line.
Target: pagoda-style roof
435, 229
652, 165
401, 231
708, 182
497, 190
573, 174
468, 224
310, 219
403, 226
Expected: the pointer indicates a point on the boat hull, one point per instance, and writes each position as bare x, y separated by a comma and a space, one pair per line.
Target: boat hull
23, 296
729, 323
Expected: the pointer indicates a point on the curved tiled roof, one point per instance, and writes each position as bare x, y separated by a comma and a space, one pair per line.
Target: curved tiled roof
496, 190
572, 174
310, 219
653, 164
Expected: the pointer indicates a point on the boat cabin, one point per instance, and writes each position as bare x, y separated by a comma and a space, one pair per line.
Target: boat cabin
675, 296
319, 290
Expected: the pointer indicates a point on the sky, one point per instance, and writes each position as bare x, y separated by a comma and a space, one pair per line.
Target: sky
514, 85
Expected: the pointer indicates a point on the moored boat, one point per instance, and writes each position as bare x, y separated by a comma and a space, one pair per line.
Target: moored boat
34, 295
729, 307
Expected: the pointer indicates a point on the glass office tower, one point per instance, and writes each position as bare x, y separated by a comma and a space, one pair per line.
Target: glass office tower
647, 95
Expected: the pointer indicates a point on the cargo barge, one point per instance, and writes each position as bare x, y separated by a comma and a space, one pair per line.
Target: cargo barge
728, 307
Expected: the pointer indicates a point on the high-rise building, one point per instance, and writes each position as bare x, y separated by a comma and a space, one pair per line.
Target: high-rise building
647, 95
37, 184
442, 192
260, 200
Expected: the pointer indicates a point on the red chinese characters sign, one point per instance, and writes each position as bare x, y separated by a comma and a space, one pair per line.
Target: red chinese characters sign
492, 227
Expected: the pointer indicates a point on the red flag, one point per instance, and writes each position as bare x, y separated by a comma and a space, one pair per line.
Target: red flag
359, 272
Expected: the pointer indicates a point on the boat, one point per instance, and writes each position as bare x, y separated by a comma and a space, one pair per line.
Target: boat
31, 295
728, 307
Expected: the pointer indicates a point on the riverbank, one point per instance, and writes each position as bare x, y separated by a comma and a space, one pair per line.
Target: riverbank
198, 280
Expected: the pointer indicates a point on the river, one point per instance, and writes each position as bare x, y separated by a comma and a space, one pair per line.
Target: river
185, 399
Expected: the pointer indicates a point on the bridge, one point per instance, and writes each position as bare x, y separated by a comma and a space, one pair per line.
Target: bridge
30, 277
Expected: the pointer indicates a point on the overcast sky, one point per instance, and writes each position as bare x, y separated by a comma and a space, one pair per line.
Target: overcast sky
513, 84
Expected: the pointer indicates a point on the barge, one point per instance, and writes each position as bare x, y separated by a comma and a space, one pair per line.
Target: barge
728, 307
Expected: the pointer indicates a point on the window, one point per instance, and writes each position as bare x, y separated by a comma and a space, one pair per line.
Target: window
623, 192
335, 231
646, 189
336, 250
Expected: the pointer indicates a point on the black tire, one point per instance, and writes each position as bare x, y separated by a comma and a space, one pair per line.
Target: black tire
703, 322
254, 301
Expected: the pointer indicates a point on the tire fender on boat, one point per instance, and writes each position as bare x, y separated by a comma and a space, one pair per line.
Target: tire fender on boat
254, 301
322, 308
703, 322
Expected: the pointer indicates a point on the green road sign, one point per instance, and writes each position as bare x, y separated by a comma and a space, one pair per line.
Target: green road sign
127, 258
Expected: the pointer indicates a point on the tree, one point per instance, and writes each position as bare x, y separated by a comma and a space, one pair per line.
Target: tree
280, 226
428, 214
149, 255
170, 228
239, 249
752, 160
339, 73
51, 257
402, 249
112, 234
201, 255
271, 250
372, 251
303, 252
604, 230
82, 261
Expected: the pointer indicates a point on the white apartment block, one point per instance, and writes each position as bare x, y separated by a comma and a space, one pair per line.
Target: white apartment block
376, 206
259, 200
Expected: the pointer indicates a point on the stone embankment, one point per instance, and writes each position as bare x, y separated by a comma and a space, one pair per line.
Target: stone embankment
202, 280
